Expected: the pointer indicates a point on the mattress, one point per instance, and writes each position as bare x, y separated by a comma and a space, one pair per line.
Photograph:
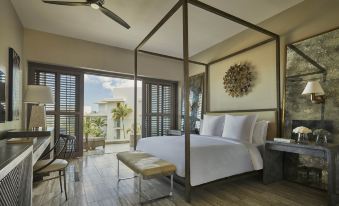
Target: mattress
212, 157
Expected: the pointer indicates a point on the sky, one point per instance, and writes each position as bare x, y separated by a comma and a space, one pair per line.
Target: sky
101, 87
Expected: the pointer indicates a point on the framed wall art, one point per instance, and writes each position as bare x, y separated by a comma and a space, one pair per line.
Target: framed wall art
196, 102
2, 96
14, 86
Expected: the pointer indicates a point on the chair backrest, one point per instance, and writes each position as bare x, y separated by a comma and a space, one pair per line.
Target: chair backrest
66, 150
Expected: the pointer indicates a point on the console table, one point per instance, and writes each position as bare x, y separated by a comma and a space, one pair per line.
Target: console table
16, 170
273, 162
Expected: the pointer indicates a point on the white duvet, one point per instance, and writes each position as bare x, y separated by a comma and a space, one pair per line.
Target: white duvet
212, 158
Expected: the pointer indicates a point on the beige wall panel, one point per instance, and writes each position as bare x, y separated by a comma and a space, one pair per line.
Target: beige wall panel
263, 92
11, 35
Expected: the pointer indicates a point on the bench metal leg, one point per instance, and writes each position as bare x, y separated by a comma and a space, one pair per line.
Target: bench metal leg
139, 187
171, 191
158, 198
126, 178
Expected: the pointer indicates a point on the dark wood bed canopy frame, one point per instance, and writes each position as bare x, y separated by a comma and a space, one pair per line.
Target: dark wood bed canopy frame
186, 61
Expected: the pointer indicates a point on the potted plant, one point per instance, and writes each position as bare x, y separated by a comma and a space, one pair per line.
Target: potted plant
131, 133
93, 128
322, 136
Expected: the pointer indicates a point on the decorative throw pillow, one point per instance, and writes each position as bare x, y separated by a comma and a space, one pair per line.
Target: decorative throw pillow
212, 125
239, 127
260, 132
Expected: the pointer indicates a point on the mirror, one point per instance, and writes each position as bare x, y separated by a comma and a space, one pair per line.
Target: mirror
312, 59
2, 96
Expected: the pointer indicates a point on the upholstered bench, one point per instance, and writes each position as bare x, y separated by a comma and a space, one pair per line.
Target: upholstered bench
146, 166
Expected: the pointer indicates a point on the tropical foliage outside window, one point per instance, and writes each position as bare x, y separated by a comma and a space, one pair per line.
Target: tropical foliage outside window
120, 113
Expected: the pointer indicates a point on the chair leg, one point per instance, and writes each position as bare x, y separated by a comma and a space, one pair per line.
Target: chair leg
140, 189
60, 180
65, 185
118, 170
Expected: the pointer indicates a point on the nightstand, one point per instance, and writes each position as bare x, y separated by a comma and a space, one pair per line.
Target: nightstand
273, 162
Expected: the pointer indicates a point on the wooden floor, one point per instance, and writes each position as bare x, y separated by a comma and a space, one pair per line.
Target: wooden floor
92, 181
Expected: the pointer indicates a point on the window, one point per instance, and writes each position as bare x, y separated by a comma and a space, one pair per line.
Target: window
159, 107
65, 116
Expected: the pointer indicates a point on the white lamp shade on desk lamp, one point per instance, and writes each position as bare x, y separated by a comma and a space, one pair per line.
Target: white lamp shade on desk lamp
40, 95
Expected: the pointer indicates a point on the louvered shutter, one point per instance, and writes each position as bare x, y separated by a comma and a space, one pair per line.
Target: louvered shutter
159, 107
64, 115
47, 79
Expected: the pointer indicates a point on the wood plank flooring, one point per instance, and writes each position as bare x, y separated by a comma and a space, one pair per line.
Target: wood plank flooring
92, 181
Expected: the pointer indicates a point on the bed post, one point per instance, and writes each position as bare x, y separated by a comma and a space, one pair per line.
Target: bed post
206, 88
135, 96
186, 96
279, 123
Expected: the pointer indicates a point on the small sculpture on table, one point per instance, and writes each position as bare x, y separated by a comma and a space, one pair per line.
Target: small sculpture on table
302, 134
322, 136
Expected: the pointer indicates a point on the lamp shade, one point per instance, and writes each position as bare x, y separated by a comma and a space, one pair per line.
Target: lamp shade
39, 94
313, 87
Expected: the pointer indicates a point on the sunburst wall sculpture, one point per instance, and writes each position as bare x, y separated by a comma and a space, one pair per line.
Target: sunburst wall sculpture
238, 80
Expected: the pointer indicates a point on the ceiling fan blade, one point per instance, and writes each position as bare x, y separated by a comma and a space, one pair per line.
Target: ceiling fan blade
67, 3
113, 16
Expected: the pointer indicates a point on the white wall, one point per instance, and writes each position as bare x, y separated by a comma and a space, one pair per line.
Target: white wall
11, 35
60, 50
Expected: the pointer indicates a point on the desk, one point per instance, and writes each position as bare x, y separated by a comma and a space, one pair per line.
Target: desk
16, 170
40, 146
273, 162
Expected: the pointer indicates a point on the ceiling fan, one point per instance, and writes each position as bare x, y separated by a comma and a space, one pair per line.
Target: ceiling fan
95, 4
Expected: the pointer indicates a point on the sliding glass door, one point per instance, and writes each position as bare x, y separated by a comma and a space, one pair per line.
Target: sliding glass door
157, 109
65, 116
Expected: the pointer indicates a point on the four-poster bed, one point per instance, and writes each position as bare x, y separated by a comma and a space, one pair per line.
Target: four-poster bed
184, 5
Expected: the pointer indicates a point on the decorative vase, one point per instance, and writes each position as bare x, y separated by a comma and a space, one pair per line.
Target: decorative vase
302, 138
321, 139
325, 139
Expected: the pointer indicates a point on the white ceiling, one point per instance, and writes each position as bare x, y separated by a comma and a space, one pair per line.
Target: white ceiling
205, 29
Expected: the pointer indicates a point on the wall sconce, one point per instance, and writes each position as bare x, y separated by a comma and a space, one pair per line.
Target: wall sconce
316, 91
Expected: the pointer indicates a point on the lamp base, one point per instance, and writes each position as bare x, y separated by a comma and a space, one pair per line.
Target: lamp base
37, 118
320, 99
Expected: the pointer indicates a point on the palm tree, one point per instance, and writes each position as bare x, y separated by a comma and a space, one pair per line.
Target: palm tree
121, 112
88, 127
98, 124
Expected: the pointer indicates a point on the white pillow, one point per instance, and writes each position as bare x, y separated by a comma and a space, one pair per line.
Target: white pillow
260, 132
201, 125
212, 125
239, 127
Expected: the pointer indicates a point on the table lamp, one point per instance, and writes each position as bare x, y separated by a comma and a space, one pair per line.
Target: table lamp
316, 91
38, 95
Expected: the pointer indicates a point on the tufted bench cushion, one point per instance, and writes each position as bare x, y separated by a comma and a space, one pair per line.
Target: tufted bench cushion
146, 164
